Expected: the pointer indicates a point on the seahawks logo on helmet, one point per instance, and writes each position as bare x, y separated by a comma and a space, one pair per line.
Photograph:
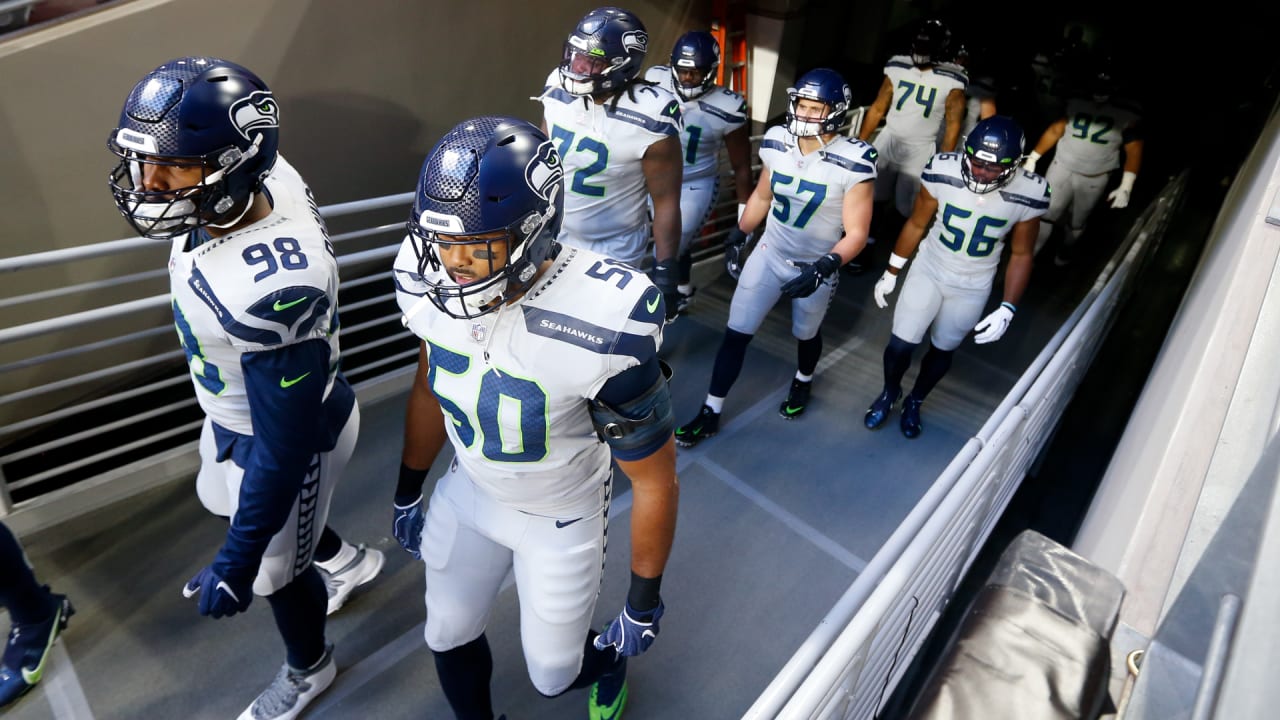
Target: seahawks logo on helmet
635, 40
257, 111
544, 171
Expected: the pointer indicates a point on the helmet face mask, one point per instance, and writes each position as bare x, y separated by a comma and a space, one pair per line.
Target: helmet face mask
822, 86
605, 52
696, 56
209, 129
992, 155
489, 201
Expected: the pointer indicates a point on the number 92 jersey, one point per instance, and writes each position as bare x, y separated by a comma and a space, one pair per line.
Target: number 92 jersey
807, 217
1094, 134
271, 284
967, 234
513, 384
601, 147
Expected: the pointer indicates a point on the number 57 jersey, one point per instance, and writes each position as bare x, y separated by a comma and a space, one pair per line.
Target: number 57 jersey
513, 384
271, 284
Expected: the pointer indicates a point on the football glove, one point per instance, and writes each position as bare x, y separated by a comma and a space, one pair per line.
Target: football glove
885, 285
735, 243
632, 632
811, 275
407, 526
219, 596
665, 277
993, 326
1119, 198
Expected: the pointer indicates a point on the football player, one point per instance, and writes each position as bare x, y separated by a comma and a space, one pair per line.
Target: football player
817, 188
619, 138
1088, 138
974, 199
539, 363
36, 615
714, 117
919, 94
254, 286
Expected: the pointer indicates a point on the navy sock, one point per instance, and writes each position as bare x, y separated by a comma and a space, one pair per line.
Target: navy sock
328, 546
728, 362
464, 674
807, 354
595, 663
299, 609
27, 600
897, 358
935, 364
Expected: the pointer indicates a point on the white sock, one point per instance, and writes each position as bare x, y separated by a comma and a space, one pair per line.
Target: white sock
340, 560
685, 288
716, 404
803, 378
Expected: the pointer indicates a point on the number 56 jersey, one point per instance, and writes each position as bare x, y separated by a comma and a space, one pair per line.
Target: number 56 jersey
271, 284
967, 234
514, 384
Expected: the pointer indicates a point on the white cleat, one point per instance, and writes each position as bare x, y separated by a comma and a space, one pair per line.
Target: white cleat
292, 690
340, 583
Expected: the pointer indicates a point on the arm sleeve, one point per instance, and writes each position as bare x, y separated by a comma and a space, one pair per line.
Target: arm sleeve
285, 387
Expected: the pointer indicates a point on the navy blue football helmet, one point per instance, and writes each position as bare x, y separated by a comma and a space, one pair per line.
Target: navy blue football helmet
604, 52
194, 112
930, 44
495, 177
695, 50
825, 86
992, 154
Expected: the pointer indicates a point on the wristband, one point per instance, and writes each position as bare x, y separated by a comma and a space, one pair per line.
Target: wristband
643, 595
410, 484
1010, 306
896, 261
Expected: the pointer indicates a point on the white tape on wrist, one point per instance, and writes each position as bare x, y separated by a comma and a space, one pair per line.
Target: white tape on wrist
896, 261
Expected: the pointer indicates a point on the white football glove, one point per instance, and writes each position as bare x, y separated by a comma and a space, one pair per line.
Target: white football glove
993, 326
1030, 163
885, 285
1119, 198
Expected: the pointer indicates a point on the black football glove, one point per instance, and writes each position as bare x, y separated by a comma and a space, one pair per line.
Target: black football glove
734, 245
811, 276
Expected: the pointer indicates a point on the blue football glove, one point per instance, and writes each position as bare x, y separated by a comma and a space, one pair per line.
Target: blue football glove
407, 526
632, 632
666, 277
219, 596
735, 243
811, 276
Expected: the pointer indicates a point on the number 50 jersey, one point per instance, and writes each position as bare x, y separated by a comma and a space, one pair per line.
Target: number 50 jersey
271, 284
807, 217
513, 384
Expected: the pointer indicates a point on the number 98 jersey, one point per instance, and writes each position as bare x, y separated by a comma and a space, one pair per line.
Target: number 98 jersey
271, 284
807, 218
967, 234
513, 384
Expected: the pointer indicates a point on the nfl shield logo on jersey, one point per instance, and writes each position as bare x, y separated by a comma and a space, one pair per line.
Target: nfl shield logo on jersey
479, 332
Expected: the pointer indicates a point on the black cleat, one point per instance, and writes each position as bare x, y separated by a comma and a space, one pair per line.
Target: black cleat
793, 407
698, 429
880, 409
910, 421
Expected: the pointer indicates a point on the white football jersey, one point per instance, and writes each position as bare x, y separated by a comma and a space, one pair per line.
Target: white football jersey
918, 108
806, 219
514, 384
707, 119
1094, 136
271, 284
967, 234
601, 147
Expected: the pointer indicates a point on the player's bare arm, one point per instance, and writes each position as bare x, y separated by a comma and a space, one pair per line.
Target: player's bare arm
954, 118
1051, 136
855, 214
758, 204
877, 111
1022, 245
656, 494
424, 433
913, 229
738, 145
663, 169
